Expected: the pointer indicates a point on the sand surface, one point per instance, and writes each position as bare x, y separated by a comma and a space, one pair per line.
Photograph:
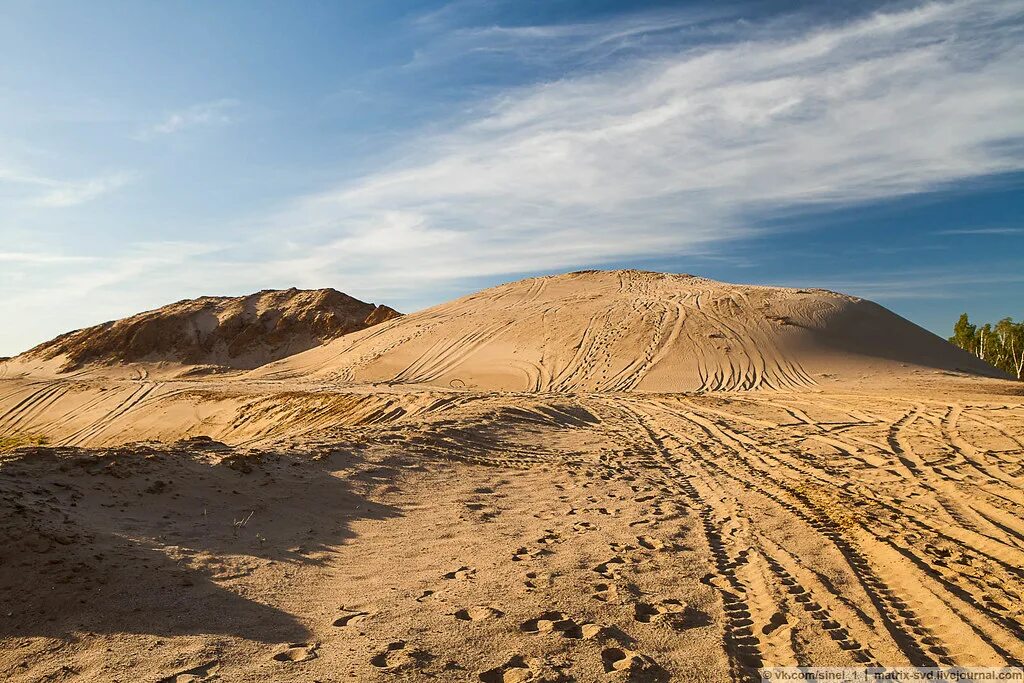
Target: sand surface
604, 491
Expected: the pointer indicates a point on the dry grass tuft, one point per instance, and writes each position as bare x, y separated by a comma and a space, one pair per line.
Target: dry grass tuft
9, 442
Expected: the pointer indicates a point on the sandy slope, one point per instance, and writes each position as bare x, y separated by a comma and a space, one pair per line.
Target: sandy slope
341, 530
626, 330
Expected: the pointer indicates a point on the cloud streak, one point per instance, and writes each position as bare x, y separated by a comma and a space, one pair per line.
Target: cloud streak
34, 190
679, 153
982, 231
204, 114
679, 146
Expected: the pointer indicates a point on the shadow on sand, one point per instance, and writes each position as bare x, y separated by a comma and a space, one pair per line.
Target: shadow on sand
161, 540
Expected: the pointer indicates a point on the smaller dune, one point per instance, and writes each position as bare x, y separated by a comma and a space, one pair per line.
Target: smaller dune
236, 332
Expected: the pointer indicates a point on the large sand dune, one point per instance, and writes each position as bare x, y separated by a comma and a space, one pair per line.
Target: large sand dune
679, 480
633, 330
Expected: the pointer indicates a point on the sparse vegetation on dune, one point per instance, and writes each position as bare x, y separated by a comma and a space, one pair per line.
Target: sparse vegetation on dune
8, 442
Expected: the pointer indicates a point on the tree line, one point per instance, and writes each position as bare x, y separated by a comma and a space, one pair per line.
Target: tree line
1000, 345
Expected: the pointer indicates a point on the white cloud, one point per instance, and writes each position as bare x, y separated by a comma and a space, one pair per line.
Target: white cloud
68, 292
938, 284
36, 190
982, 231
39, 258
666, 153
673, 153
561, 47
204, 114
72, 193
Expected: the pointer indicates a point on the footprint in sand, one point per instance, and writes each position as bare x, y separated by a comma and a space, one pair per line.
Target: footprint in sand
521, 670
549, 537
536, 580
639, 666
460, 574
350, 617
651, 543
298, 652
610, 569
605, 592
556, 622
525, 553
398, 656
478, 613
485, 512
645, 612
515, 670
777, 621
673, 613
196, 673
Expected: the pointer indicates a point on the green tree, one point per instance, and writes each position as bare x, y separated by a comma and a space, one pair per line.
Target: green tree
1011, 346
1000, 345
964, 334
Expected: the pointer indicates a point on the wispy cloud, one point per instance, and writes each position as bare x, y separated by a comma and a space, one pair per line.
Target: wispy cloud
204, 114
678, 152
35, 190
39, 258
672, 148
72, 193
917, 284
562, 47
64, 292
982, 231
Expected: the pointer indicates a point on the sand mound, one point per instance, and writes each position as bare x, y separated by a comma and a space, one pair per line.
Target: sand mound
237, 332
626, 330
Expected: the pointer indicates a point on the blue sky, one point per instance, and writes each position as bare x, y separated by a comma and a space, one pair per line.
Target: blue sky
410, 152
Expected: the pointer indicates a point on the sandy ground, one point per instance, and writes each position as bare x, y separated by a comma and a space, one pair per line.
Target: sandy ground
527, 537
649, 492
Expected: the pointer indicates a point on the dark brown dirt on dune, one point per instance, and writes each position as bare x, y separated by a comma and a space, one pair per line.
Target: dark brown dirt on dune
236, 332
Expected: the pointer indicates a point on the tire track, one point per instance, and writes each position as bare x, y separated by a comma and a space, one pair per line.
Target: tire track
917, 642
33, 404
137, 396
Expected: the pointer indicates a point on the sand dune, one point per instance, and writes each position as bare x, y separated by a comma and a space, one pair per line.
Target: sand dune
617, 476
234, 332
633, 330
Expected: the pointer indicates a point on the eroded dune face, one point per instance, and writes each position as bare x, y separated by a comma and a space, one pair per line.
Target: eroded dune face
633, 330
236, 332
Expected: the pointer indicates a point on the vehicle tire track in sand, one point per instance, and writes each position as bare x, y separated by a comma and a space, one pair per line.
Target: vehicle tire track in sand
741, 645
661, 345
444, 357
101, 424
902, 625
942, 603
33, 404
